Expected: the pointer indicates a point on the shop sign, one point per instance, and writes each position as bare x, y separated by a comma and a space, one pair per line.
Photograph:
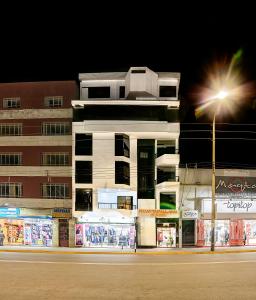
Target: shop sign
158, 213
190, 214
7, 212
238, 186
61, 212
232, 206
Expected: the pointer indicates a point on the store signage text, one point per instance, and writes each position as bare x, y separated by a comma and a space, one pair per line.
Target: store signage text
60, 212
156, 212
9, 212
231, 206
235, 185
235, 205
190, 214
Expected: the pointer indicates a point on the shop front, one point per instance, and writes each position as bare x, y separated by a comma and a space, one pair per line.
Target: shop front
20, 229
111, 229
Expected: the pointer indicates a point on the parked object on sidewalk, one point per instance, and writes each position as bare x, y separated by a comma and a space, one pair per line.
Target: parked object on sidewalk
2, 236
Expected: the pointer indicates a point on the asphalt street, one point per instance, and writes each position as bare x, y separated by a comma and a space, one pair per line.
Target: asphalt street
67, 276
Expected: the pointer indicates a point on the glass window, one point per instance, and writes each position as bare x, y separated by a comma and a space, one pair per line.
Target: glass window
10, 129
167, 201
83, 200
10, 159
122, 92
83, 144
99, 92
122, 145
11, 102
60, 128
83, 171
55, 190
10, 190
125, 202
122, 172
167, 91
55, 159
53, 101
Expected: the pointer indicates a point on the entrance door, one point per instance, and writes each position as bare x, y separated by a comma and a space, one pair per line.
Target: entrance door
236, 233
166, 237
188, 232
63, 233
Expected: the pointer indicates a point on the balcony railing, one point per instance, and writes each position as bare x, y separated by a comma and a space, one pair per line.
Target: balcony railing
116, 206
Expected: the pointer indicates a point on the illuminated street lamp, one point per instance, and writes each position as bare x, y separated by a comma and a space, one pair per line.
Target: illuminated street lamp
220, 96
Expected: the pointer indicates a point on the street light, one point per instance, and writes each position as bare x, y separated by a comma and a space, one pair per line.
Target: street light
220, 96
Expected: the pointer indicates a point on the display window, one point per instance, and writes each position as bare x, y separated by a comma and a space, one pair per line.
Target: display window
38, 232
250, 232
105, 235
13, 230
221, 232
166, 237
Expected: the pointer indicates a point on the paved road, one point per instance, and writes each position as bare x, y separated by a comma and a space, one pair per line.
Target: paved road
65, 276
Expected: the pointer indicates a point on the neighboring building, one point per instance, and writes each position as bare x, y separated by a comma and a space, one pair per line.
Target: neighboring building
125, 158
35, 161
235, 223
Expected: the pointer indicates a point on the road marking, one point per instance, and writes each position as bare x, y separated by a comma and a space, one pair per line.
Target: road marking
128, 264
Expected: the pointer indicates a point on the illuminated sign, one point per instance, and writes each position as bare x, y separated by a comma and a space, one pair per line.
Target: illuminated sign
190, 214
61, 212
7, 212
235, 185
156, 212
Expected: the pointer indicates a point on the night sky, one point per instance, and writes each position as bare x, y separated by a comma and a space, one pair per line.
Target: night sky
57, 43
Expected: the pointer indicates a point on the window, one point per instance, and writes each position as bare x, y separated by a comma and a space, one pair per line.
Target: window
10, 159
55, 159
55, 190
10, 190
83, 171
166, 174
61, 128
167, 201
11, 102
83, 200
122, 92
122, 145
138, 71
167, 91
10, 129
53, 101
99, 92
122, 172
83, 144
165, 147
125, 202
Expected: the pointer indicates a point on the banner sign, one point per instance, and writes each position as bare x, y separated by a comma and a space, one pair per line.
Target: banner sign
158, 213
190, 214
60, 212
238, 186
7, 212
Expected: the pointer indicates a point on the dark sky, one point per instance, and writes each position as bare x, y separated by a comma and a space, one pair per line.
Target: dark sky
58, 42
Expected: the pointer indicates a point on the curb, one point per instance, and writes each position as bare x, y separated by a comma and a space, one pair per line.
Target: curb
128, 253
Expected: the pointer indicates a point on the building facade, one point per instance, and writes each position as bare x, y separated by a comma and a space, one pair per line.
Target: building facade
125, 174
35, 162
235, 223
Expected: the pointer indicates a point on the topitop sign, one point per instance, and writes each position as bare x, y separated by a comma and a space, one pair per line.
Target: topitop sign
238, 186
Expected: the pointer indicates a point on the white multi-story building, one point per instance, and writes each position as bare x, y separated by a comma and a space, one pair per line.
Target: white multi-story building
125, 158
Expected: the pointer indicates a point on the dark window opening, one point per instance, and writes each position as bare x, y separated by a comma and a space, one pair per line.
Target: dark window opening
83, 172
122, 92
83, 200
99, 92
122, 172
146, 169
138, 71
167, 201
167, 91
165, 174
122, 145
165, 147
83, 144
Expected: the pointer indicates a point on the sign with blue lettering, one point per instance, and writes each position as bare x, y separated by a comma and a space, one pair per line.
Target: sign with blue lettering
8, 212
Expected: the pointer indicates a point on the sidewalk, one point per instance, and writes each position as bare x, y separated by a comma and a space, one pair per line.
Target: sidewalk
140, 251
